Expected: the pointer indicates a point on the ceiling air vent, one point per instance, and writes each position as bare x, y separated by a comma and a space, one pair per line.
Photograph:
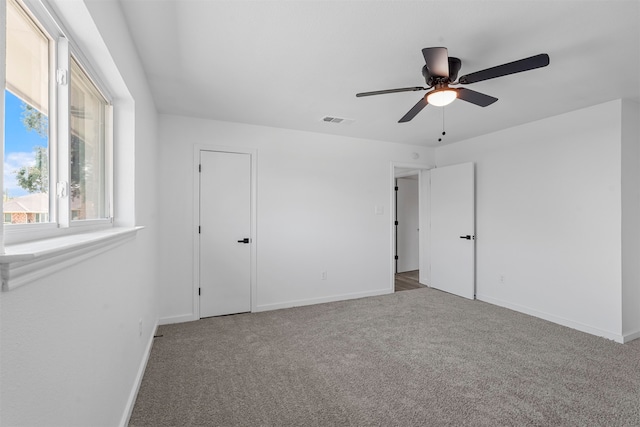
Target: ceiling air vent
337, 120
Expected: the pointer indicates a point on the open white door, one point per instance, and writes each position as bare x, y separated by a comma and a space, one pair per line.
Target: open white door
453, 229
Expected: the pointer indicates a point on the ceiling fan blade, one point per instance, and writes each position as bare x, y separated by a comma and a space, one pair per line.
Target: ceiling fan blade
382, 92
437, 59
474, 97
533, 62
415, 110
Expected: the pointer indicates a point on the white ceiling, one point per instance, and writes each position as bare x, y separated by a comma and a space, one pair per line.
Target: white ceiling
289, 63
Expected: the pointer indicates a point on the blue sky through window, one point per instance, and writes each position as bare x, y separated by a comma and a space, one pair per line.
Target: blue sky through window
19, 144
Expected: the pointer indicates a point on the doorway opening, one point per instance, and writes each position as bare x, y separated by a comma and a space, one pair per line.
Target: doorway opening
410, 210
407, 271
446, 230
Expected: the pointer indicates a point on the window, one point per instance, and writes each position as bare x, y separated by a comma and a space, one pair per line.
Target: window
26, 152
87, 151
58, 157
57, 127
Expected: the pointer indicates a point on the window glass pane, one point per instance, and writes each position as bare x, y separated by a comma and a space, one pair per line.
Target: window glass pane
26, 150
87, 149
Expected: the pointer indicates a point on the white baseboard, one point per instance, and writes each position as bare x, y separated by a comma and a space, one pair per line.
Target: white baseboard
556, 319
630, 337
288, 304
312, 301
177, 319
128, 410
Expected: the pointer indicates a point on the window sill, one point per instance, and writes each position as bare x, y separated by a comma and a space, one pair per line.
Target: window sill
25, 262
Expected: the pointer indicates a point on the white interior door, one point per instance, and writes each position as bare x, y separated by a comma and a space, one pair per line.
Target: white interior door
225, 233
453, 229
407, 230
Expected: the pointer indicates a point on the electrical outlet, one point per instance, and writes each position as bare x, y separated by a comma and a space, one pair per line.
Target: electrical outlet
323, 275
502, 279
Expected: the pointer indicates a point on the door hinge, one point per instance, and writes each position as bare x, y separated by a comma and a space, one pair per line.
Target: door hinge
396, 188
199, 168
199, 230
396, 257
199, 289
396, 223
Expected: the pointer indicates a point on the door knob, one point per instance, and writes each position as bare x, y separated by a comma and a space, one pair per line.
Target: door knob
468, 237
245, 240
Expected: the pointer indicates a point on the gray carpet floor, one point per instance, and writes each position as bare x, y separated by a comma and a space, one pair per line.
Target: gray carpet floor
414, 358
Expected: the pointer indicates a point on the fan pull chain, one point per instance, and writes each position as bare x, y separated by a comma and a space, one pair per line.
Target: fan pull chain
443, 132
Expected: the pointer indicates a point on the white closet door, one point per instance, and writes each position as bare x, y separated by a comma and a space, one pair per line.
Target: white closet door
225, 233
453, 229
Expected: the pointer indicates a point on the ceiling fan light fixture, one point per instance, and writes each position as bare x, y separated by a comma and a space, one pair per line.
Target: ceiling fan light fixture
442, 97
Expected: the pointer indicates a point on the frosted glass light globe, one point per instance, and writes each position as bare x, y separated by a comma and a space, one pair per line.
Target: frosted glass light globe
441, 97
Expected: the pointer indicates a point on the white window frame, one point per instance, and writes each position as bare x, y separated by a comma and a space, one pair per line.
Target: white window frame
35, 252
108, 152
62, 48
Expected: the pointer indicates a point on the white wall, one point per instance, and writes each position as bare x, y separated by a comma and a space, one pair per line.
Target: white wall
630, 219
71, 351
316, 199
548, 217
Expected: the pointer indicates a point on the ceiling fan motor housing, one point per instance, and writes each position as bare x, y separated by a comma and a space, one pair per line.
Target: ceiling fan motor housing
454, 67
